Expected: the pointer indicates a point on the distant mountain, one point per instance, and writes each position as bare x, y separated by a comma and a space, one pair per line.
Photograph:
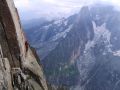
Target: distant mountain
47, 35
28, 24
82, 51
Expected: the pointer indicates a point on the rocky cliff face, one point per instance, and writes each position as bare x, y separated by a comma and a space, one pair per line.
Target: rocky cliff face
19, 69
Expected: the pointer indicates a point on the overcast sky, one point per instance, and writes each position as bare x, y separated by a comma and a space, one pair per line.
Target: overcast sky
30, 9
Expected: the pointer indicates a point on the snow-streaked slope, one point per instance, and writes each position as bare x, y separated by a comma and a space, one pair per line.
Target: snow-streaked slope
87, 60
62, 34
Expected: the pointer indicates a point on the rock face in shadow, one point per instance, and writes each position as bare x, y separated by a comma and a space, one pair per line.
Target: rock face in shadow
19, 67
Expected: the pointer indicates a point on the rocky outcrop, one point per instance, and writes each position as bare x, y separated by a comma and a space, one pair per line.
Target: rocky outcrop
19, 69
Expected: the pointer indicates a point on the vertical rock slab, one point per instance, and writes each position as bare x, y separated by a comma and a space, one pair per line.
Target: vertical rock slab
19, 69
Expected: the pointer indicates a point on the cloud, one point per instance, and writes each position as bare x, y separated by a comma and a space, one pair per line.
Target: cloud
30, 9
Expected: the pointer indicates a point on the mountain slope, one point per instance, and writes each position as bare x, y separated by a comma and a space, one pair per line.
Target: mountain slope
86, 55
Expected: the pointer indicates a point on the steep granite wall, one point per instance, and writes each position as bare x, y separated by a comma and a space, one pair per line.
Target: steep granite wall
18, 62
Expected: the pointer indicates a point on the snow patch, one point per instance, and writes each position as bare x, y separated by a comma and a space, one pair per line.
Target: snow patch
89, 45
116, 53
59, 22
101, 32
87, 60
62, 34
47, 26
66, 22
